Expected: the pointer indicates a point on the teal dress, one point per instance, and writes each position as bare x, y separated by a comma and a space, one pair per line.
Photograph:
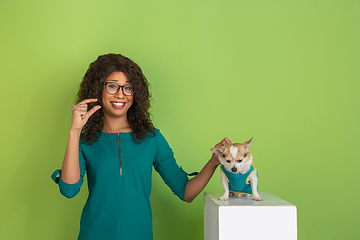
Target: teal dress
119, 181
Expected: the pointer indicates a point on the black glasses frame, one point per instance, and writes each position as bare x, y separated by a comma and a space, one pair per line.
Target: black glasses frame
119, 86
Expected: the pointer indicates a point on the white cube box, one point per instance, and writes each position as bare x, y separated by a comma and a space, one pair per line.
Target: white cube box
245, 218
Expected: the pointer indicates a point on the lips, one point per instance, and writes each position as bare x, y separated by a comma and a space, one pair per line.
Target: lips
118, 104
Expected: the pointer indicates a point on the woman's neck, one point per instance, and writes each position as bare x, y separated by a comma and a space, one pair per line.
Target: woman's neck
116, 125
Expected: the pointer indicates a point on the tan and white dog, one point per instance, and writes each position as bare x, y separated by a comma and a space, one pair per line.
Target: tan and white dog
238, 174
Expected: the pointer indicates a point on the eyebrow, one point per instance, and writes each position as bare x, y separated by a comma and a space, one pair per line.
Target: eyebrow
113, 80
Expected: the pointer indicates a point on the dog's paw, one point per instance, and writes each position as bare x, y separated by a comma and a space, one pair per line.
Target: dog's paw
258, 198
224, 198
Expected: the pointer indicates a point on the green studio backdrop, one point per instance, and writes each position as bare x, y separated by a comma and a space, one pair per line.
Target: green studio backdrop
283, 72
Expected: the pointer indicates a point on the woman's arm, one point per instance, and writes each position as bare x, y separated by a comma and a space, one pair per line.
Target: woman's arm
195, 185
70, 171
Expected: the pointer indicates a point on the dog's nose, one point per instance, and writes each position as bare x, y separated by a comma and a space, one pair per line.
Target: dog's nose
234, 169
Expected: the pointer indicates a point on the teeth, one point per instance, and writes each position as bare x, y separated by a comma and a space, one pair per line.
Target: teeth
118, 104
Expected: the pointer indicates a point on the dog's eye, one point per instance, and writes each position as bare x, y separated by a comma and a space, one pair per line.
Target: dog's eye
239, 160
245, 155
228, 161
223, 155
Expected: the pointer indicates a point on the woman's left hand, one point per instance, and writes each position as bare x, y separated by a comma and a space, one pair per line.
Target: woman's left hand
195, 185
215, 156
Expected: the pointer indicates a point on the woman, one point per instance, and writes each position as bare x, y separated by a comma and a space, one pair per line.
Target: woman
112, 137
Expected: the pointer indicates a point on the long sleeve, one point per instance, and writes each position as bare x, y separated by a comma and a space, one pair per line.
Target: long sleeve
66, 189
165, 164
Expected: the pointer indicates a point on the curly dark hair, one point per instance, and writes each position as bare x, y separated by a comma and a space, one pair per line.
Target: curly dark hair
138, 115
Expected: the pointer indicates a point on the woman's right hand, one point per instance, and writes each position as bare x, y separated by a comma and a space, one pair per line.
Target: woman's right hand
80, 113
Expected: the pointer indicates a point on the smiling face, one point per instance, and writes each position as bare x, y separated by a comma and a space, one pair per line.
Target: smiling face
117, 105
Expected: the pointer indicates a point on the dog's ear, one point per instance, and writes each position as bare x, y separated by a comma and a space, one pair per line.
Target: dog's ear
218, 150
247, 144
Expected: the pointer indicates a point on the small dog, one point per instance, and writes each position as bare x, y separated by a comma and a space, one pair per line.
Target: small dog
237, 170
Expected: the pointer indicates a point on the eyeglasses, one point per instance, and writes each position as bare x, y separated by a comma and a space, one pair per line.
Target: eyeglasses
113, 88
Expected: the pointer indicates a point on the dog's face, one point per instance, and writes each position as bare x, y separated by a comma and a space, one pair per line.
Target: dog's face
234, 156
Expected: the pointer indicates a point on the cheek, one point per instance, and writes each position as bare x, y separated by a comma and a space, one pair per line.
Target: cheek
104, 95
131, 99
104, 99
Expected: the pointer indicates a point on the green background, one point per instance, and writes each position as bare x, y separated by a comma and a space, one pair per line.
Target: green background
283, 72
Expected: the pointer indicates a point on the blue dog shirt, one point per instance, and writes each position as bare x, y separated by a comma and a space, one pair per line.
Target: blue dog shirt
239, 182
